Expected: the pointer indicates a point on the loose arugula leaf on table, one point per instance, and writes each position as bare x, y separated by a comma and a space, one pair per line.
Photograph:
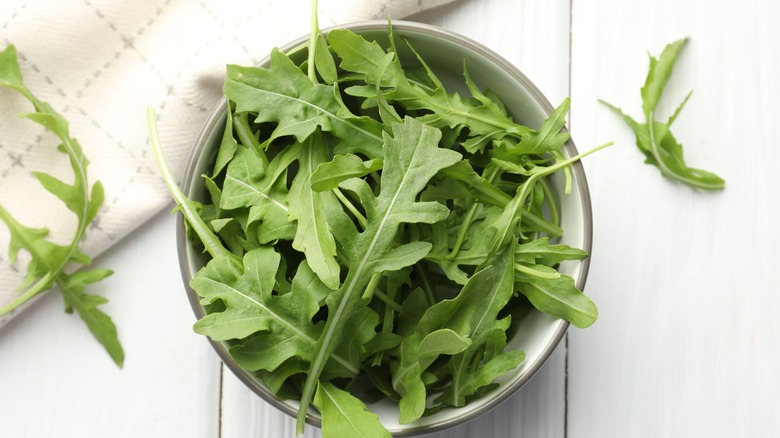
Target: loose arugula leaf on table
48, 263
655, 138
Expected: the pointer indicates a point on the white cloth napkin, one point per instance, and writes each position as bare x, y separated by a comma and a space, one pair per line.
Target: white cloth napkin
100, 63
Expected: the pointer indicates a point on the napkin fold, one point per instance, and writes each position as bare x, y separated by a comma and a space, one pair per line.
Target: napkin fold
100, 63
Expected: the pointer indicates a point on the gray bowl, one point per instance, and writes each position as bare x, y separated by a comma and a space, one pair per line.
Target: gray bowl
444, 51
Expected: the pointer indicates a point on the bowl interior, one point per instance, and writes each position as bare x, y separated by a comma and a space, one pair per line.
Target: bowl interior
444, 52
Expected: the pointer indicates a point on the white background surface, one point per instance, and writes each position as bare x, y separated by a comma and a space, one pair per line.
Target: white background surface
687, 340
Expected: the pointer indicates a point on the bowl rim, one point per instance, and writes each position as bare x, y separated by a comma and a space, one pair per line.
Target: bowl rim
214, 119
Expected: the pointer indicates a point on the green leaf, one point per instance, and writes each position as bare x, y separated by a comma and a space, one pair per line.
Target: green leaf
442, 329
68, 194
541, 250
86, 305
300, 106
251, 308
470, 381
227, 147
367, 59
658, 76
558, 297
275, 379
471, 316
10, 74
250, 183
443, 341
244, 294
483, 189
473, 369
48, 260
341, 168
551, 136
324, 62
654, 138
411, 158
313, 236
343, 415
503, 229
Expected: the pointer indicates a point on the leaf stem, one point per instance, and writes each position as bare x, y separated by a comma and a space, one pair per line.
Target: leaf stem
314, 32
387, 300
491, 173
654, 149
79, 165
352, 209
426, 284
537, 273
519, 200
372, 285
245, 136
210, 241
552, 202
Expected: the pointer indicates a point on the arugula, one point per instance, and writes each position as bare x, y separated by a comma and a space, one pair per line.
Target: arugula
343, 415
302, 105
312, 236
485, 122
372, 235
412, 158
48, 263
655, 138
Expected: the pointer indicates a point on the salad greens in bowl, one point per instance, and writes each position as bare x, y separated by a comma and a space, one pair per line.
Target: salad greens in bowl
384, 229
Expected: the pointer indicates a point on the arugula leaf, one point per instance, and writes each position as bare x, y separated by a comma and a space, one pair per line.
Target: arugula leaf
251, 183
473, 369
411, 158
503, 228
469, 379
301, 106
557, 295
227, 148
329, 175
308, 207
343, 415
448, 110
444, 328
102, 327
655, 138
540, 250
252, 309
49, 260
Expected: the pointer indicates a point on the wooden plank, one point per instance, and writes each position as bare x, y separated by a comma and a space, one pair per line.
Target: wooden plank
533, 36
57, 380
245, 414
687, 341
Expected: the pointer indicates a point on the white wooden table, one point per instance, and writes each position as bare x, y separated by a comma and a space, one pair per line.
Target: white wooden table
688, 341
